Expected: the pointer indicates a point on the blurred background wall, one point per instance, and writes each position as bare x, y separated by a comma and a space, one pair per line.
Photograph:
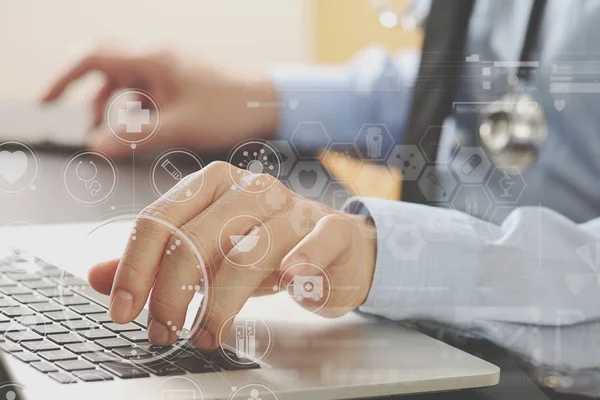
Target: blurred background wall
39, 37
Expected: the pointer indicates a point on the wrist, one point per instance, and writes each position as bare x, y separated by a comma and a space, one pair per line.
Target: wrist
367, 235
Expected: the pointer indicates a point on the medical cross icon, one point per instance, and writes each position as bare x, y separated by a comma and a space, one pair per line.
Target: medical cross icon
134, 117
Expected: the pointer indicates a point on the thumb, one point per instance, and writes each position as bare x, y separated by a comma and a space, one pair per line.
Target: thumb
101, 276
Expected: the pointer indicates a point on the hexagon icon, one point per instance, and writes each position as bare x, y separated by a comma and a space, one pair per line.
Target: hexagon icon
405, 242
275, 201
287, 156
303, 217
308, 138
471, 165
343, 161
374, 142
336, 195
408, 159
506, 185
473, 200
437, 185
437, 136
308, 179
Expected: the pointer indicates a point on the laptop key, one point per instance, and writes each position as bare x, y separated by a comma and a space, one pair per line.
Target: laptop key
124, 370
81, 348
33, 320
100, 357
23, 336
57, 355
63, 315
66, 338
71, 300
11, 327
161, 368
100, 318
79, 324
70, 280
10, 347
30, 298
46, 307
96, 375
44, 367
136, 337
62, 377
55, 292
50, 329
15, 290
99, 333
39, 284
23, 277
4, 318
4, 282
132, 353
88, 309
196, 365
26, 356
41, 345
118, 328
75, 365
113, 343
16, 311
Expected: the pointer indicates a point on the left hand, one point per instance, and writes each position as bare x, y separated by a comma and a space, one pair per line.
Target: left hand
302, 233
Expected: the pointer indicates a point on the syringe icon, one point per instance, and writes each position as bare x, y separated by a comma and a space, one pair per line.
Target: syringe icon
172, 170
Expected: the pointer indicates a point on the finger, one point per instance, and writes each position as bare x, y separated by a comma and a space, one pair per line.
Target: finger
330, 232
137, 268
232, 286
109, 62
179, 270
330, 243
204, 226
100, 101
101, 276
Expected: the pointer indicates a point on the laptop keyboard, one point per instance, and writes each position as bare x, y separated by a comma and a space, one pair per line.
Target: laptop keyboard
57, 324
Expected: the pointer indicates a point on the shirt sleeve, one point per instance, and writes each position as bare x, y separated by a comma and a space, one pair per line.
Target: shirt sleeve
530, 285
372, 88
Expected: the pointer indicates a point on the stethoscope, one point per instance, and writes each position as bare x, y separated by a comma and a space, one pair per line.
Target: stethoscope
512, 129
90, 183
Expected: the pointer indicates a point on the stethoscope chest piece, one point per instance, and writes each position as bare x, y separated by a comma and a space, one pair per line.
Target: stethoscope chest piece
512, 131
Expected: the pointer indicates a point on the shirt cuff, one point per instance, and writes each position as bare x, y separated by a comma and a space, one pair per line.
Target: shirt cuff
414, 277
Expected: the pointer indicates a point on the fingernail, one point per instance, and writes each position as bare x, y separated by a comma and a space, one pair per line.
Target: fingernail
158, 333
204, 340
121, 306
297, 264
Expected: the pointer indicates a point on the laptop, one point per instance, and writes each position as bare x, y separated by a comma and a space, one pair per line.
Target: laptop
59, 341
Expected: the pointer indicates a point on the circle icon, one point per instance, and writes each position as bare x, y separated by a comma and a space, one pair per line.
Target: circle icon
133, 117
308, 284
19, 167
171, 168
254, 391
254, 243
90, 177
254, 158
114, 230
248, 341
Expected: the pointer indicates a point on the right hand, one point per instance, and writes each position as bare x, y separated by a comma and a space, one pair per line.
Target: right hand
201, 107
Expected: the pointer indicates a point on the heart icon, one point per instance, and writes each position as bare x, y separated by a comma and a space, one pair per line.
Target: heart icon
308, 178
12, 165
560, 105
294, 103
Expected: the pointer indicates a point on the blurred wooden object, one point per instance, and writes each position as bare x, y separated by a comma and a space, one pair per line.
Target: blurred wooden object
343, 27
363, 178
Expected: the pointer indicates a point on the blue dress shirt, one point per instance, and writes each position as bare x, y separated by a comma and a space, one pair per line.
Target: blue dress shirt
523, 273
